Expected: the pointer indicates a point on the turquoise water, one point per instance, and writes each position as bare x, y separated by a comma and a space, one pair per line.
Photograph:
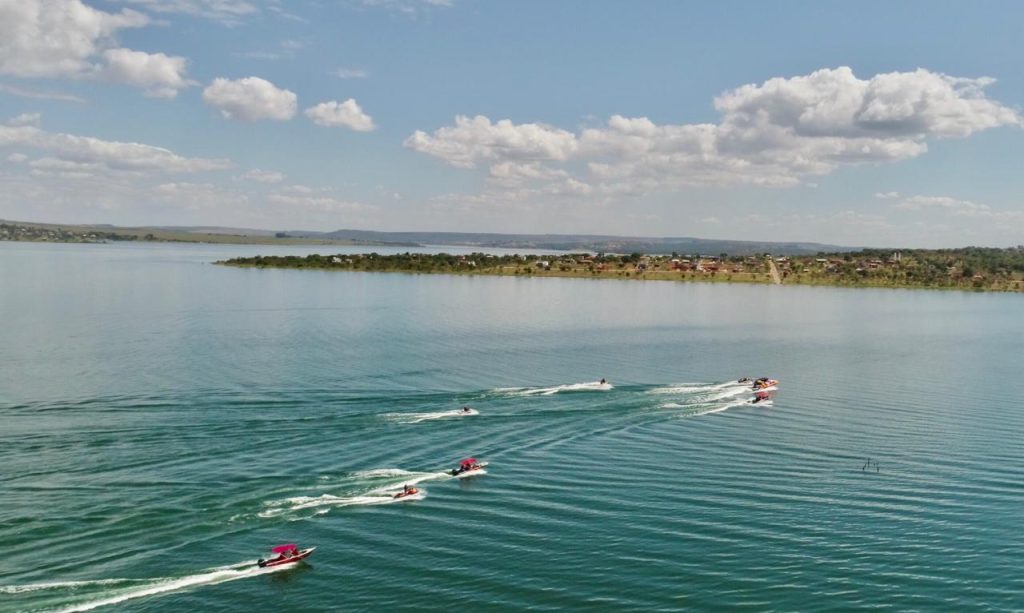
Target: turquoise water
166, 421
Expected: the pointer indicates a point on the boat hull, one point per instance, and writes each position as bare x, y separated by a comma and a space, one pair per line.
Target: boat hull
286, 561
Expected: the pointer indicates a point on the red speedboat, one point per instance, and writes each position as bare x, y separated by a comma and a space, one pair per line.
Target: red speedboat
286, 554
468, 467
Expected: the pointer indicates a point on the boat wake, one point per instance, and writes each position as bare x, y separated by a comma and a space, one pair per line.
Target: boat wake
415, 418
689, 388
592, 386
61, 596
696, 399
303, 507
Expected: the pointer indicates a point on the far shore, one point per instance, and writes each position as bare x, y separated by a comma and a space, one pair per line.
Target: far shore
69, 233
969, 269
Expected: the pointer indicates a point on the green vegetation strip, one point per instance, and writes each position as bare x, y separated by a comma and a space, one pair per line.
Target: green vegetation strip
971, 268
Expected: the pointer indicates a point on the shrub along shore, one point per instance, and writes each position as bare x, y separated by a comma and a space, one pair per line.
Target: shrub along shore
970, 268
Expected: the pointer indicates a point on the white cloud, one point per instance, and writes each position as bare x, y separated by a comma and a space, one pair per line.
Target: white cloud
194, 196
888, 109
160, 75
515, 173
887, 195
953, 205
409, 7
17, 158
55, 38
772, 134
258, 55
289, 48
108, 155
476, 139
250, 99
323, 204
66, 38
26, 119
347, 114
351, 73
38, 95
264, 176
65, 169
228, 12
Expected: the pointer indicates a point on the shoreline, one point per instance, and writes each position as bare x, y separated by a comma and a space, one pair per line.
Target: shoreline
760, 271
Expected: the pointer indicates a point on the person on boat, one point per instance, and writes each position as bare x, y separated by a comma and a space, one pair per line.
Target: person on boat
603, 381
295, 552
744, 380
409, 489
466, 409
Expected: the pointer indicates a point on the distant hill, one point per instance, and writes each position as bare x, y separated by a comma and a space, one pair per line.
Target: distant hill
92, 233
584, 242
560, 242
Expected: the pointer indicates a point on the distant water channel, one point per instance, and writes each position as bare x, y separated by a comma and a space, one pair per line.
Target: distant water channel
165, 421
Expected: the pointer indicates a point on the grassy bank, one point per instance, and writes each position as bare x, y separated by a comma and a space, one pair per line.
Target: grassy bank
962, 269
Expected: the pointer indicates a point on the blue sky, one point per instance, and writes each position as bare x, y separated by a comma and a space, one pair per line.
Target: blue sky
882, 124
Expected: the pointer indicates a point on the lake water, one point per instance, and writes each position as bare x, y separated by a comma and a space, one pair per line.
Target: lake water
165, 421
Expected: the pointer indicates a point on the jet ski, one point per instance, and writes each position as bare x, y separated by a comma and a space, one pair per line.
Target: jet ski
408, 491
468, 468
764, 383
286, 554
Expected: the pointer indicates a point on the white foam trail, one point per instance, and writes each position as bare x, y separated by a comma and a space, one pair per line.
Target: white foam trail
33, 587
391, 489
703, 408
736, 391
161, 586
718, 409
689, 388
379, 473
415, 418
593, 386
379, 495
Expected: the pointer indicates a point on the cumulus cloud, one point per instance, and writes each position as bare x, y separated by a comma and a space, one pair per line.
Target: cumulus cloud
408, 7
26, 119
194, 196
65, 169
66, 38
228, 12
475, 139
250, 99
346, 114
14, 90
264, 176
773, 134
351, 73
953, 205
160, 75
318, 203
104, 154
